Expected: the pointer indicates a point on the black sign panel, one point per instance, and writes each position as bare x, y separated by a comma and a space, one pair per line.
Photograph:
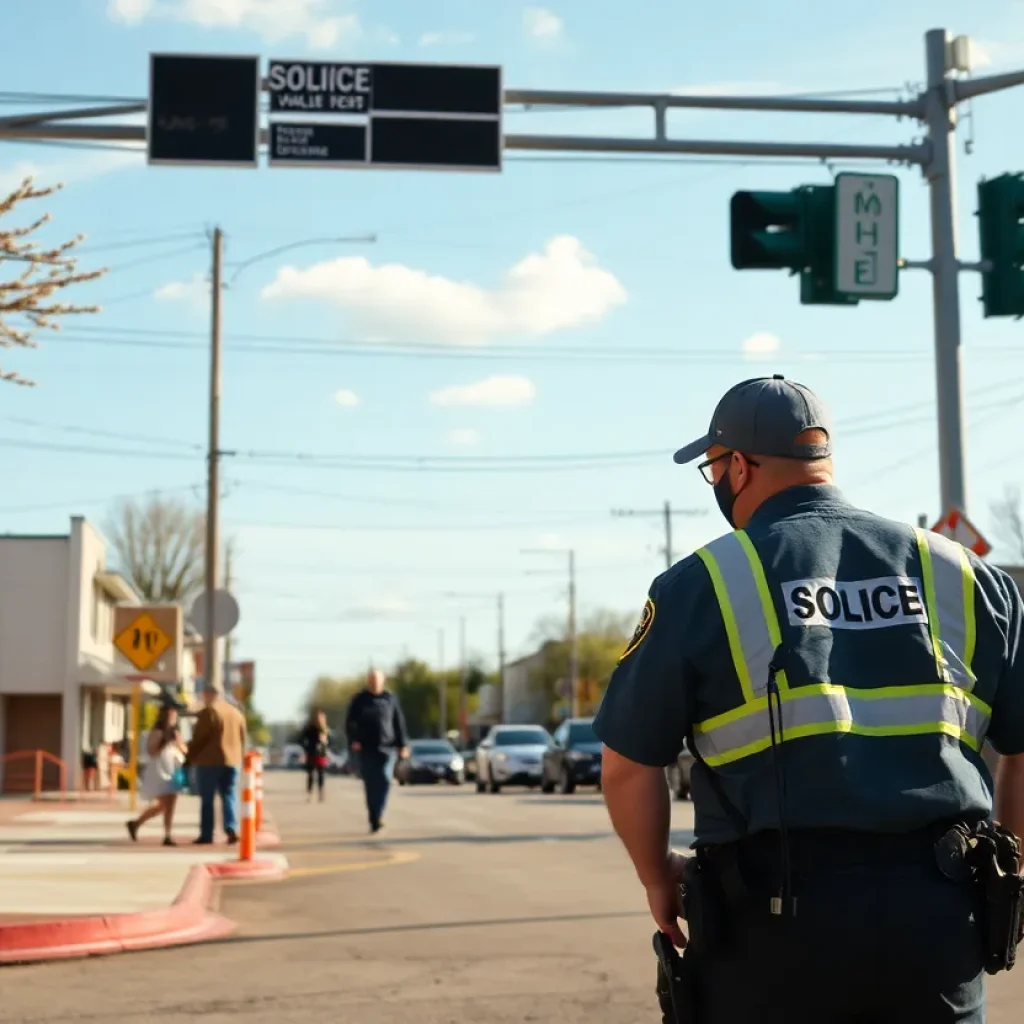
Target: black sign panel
203, 110
436, 89
434, 142
317, 144
311, 87
331, 88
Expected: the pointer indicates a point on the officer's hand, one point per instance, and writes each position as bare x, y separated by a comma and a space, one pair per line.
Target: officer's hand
663, 899
404, 753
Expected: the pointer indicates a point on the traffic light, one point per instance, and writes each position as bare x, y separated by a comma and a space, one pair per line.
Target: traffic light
1000, 212
793, 231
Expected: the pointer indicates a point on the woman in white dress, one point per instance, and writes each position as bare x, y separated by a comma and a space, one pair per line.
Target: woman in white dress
166, 751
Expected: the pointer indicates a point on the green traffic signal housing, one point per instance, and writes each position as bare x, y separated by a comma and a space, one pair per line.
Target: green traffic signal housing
1000, 212
793, 231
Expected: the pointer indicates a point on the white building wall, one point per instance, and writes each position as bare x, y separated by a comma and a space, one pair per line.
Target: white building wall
522, 704
33, 614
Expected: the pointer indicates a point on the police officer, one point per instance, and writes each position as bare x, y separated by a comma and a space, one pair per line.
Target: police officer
834, 674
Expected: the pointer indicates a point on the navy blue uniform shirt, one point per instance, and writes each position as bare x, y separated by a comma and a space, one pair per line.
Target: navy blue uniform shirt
681, 673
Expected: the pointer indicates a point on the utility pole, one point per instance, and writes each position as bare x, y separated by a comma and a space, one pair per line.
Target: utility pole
666, 512
442, 689
462, 679
501, 658
574, 651
227, 586
213, 667
574, 641
940, 117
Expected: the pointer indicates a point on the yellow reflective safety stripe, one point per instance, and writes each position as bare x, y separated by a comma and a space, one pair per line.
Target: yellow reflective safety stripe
747, 610
767, 605
949, 588
821, 709
945, 707
732, 630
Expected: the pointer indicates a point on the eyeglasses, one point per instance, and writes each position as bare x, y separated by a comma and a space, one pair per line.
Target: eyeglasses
705, 467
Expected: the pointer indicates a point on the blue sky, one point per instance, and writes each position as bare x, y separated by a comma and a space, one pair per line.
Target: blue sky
569, 309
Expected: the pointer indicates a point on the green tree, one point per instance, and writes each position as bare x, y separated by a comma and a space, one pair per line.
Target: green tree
259, 731
600, 641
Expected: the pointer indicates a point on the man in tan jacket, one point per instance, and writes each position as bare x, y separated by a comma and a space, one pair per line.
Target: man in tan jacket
216, 751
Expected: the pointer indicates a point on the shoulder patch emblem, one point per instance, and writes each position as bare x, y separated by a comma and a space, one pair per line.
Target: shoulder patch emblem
642, 629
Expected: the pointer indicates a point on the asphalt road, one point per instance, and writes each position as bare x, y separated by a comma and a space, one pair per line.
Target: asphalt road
516, 907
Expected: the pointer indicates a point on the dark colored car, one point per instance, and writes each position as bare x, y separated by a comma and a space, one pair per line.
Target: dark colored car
431, 761
574, 759
678, 775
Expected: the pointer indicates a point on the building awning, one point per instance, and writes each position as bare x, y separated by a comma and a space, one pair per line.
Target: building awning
117, 587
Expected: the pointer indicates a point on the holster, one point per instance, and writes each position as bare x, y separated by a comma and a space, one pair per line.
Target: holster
990, 857
677, 994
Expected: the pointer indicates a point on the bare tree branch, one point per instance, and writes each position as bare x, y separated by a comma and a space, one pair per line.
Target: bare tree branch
28, 300
1008, 522
160, 547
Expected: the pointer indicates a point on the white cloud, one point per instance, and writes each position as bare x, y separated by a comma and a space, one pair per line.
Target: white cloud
464, 436
272, 20
131, 11
491, 391
561, 287
195, 291
761, 345
446, 38
541, 25
346, 399
68, 172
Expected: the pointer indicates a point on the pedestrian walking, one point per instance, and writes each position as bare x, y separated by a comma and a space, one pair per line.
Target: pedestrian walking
834, 674
315, 741
215, 751
375, 728
162, 779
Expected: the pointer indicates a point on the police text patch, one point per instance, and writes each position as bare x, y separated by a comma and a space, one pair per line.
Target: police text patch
857, 604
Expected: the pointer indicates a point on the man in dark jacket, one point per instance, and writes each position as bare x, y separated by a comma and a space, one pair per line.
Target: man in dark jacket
375, 727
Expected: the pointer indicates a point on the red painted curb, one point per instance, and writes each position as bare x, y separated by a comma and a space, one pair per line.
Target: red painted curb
263, 870
187, 920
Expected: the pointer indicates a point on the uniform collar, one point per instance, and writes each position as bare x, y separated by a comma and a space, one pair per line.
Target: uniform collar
797, 499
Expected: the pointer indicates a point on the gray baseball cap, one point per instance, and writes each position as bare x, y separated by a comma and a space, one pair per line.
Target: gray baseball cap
764, 416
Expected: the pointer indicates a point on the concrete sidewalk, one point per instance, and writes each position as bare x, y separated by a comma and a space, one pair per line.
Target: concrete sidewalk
72, 882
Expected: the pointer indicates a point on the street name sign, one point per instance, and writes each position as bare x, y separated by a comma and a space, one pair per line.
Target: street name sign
955, 525
312, 144
867, 235
399, 116
203, 110
150, 638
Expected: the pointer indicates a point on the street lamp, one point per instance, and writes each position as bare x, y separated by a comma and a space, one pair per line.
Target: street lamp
574, 652
462, 652
213, 454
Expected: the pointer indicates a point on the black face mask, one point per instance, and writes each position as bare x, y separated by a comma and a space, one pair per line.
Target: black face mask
726, 498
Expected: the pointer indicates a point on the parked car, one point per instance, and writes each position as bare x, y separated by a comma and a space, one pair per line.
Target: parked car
678, 775
338, 763
431, 761
511, 755
574, 759
469, 760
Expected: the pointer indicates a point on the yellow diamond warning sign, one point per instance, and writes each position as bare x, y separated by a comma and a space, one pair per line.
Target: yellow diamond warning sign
143, 642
